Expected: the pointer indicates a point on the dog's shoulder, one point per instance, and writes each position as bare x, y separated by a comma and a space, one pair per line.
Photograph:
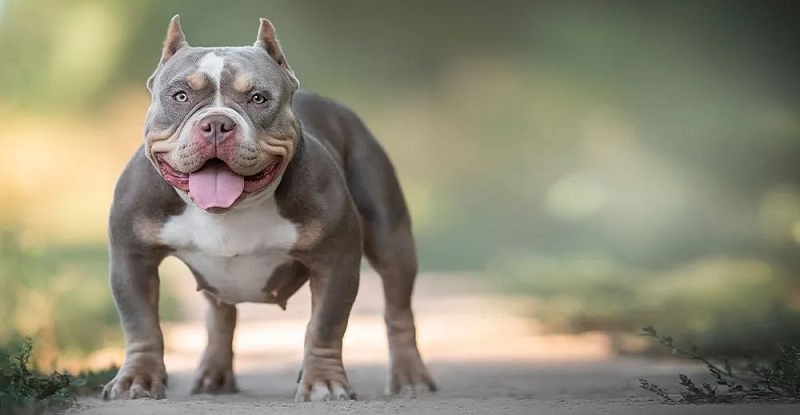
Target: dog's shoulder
138, 211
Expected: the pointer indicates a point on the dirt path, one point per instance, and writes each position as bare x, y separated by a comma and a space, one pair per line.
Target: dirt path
485, 358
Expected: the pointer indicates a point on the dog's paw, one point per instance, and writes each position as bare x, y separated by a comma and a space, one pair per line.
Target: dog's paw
324, 390
323, 382
138, 379
215, 376
408, 376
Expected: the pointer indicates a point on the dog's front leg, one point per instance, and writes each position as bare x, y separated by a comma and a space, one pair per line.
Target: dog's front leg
135, 287
333, 291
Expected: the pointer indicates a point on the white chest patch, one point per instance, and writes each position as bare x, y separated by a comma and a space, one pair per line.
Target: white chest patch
235, 252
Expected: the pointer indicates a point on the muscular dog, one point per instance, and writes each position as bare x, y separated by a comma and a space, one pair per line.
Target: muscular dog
258, 188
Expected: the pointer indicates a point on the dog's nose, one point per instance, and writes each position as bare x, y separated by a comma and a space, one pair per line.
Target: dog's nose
217, 128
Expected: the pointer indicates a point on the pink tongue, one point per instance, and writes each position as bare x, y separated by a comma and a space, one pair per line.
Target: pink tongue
215, 185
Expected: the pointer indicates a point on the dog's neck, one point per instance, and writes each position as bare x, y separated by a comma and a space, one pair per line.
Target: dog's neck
291, 168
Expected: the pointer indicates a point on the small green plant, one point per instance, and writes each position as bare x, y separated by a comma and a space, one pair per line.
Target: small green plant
26, 390
733, 381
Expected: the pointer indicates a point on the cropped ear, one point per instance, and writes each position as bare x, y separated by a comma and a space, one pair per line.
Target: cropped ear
175, 40
267, 41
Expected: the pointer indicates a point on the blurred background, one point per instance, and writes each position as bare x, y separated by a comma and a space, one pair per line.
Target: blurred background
609, 164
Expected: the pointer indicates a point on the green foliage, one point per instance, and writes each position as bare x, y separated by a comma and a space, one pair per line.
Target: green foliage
561, 130
52, 291
27, 390
733, 381
501, 115
24, 391
723, 305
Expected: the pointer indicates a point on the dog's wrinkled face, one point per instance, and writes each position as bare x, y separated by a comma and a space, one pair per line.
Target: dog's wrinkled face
220, 125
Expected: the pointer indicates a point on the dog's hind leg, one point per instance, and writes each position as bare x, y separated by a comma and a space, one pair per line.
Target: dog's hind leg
391, 253
390, 249
215, 372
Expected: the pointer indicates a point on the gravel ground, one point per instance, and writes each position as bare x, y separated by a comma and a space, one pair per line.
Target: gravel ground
485, 357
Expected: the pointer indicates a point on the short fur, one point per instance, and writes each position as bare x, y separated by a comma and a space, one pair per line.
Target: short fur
335, 198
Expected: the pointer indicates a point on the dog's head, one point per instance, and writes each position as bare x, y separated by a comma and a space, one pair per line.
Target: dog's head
220, 126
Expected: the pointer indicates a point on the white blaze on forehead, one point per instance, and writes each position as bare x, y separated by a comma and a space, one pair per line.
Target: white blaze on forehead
212, 65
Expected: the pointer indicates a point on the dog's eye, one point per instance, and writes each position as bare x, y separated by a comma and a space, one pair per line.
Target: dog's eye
180, 96
258, 99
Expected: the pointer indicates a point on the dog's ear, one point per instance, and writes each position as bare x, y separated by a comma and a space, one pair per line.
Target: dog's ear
266, 40
175, 40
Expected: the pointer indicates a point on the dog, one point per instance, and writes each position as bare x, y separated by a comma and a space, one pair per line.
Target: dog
258, 187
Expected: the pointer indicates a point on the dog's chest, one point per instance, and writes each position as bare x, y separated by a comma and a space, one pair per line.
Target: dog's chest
233, 254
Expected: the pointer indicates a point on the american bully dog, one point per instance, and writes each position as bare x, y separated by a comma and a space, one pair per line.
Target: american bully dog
258, 188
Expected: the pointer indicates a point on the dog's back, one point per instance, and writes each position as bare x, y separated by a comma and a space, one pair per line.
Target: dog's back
369, 173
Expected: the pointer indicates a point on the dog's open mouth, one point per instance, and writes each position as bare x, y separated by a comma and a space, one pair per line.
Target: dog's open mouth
215, 185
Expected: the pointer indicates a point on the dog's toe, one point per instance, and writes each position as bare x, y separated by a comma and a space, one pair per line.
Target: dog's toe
214, 380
